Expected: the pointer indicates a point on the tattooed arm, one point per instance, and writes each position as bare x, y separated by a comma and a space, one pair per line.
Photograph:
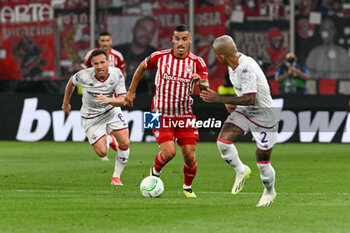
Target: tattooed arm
211, 96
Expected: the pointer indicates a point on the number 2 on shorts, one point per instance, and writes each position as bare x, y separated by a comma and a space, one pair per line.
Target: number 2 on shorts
263, 140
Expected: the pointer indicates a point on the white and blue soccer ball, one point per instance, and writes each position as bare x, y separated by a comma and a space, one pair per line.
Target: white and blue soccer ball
152, 186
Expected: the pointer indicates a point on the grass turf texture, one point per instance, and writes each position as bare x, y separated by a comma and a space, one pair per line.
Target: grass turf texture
64, 187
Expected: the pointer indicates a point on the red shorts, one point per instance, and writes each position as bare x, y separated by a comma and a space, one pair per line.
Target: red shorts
181, 129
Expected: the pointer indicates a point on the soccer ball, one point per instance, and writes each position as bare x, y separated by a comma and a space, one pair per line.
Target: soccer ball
152, 186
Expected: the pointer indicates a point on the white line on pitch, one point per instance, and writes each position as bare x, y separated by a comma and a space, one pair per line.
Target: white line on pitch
113, 191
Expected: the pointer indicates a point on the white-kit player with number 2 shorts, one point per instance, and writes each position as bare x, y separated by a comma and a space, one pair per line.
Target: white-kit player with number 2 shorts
103, 90
251, 109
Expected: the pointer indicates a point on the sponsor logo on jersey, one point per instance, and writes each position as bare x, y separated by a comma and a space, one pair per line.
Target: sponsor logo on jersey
169, 77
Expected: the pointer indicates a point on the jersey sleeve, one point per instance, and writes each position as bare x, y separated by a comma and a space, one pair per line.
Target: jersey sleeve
78, 78
87, 60
151, 61
120, 87
120, 62
88, 63
202, 69
249, 81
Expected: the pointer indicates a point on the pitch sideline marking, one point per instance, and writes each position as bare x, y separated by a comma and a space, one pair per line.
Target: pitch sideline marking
111, 191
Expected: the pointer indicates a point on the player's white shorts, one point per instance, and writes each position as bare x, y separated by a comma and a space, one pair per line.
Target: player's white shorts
265, 137
97, 127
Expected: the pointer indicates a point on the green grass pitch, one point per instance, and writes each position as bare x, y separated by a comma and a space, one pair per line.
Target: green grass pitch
65, 187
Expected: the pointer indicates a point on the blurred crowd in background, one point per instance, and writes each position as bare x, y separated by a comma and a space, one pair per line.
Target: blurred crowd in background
42, 43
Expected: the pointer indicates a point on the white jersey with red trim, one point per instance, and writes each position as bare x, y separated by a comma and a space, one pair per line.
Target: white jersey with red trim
248, 78
173, 81
111, 86
115, 59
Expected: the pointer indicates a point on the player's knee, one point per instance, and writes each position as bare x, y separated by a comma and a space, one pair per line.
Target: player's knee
169, 152
124, 143
102, 152
188, 151
190, 160
262, 155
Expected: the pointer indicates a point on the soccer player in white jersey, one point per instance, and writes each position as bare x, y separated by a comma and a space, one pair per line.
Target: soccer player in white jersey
178, 70
103, 121
115, 58
252, 109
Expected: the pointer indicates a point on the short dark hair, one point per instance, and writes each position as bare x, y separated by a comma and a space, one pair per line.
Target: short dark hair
145, 18
97, 52
181, 28
104, 33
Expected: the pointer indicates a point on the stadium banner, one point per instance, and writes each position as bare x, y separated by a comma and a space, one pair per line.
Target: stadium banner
323, 46
121, 27
266, 41
74, 39
29, 118
168, 19
210, 23
27, 41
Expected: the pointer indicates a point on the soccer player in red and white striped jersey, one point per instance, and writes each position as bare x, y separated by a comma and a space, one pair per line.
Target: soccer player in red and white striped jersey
178, 70
115, 58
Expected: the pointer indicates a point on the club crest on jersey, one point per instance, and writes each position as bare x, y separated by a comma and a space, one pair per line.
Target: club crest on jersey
111, 82
94, 136
188, 69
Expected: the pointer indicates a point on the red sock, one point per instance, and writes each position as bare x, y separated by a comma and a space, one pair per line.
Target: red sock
159, 162
190, 173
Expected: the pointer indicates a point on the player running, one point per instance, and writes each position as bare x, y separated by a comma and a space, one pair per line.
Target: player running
254, 112
115, 58
103, 95
178, 70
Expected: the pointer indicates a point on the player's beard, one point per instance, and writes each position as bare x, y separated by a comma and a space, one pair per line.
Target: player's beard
106, 48
181, 50
101, 74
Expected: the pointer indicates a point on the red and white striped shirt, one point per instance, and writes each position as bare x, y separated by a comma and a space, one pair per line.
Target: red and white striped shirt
173, 82
115, 58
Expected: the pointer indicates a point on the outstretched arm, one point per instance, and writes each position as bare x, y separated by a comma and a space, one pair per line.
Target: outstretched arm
211, 96
116, 102
130, 96
66, 107
202, 83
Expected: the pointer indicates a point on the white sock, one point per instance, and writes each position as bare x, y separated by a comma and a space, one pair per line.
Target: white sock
120, 161
267, 175
229, 153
